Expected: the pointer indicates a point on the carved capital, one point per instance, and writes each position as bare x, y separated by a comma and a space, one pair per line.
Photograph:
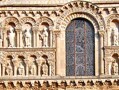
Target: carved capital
57, 32
101, 33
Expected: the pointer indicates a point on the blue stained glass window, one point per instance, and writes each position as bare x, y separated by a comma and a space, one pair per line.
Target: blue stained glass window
80, 48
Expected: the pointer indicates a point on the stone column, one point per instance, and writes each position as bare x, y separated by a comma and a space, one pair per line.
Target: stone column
39, 66
18, 38
0, 43
39, 69
34, 38
53, 40
0, 69
15, 66
5, 39
50, 69
101, 33
3, 72
27, 67
58, 62
50, 38
15, 70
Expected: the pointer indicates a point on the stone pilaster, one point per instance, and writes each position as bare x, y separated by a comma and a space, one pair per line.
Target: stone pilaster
58, 63
101, 33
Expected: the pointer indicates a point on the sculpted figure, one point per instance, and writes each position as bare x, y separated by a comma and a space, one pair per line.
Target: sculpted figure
44, 69
11, 37
44, 37
21, 69
33, 69
114, 37
115, 68
27, 36
9, 70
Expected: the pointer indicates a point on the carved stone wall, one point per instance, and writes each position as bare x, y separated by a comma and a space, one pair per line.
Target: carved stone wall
33, 44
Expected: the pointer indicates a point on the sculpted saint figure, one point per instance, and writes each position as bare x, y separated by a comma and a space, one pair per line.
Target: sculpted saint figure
44, 69
9, 70
27, 36
115, 68
33, 69
11, 37
114, 36
21, 69
44, 37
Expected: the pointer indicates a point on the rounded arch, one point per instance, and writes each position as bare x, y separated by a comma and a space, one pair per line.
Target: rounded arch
9, 20
44, 20
80, 15
79, 9
27, 20
110, 18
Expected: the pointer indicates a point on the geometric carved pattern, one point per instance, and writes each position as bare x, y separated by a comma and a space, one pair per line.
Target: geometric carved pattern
71, 8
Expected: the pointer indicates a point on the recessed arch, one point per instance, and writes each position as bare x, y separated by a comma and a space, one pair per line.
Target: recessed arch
42, 20
82, 8
27, 20
10, 20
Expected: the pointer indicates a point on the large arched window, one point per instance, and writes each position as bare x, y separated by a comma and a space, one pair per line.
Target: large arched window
80, 48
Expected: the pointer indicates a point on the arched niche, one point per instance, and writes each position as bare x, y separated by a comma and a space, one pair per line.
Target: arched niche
9, 67
33, 66
45, 23
11, 35
111, 20
27, 34
45, 35
115, 64
44, 66
114, 32
21, 66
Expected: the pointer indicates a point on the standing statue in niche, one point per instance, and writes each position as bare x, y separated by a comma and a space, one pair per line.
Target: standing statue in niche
33, 69
11, 37
44, 69
115, 68
114, 37
21, 69
27, 36
44, 37
9, 70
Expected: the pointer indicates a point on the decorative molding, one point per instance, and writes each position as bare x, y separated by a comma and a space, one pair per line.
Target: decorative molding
77, 9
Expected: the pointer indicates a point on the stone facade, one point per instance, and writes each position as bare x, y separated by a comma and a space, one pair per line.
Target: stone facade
33, 44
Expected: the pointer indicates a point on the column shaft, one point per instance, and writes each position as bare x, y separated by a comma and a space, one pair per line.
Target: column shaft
50, 38
15, 71
18, 39
39, 72
0, 69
